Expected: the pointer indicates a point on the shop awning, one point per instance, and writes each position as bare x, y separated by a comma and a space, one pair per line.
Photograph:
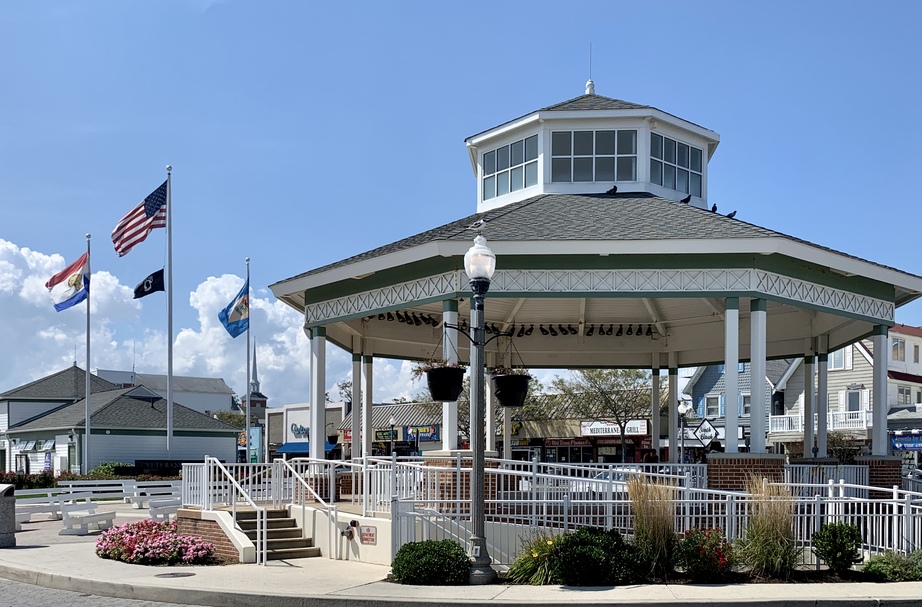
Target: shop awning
302, 448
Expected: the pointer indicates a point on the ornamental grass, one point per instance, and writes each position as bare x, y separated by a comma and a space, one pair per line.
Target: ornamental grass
654, 523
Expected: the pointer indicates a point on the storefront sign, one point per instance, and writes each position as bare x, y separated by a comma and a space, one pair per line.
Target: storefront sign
297, 423
635, 427
906, 442
567, 442
368, 535
706, 432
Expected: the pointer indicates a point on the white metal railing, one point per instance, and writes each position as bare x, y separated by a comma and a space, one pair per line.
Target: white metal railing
304, 477
835, 420
892, 523
807, 476
230, 485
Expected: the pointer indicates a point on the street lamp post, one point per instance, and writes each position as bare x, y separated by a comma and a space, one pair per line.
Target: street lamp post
393, 423
479, 265
684, 408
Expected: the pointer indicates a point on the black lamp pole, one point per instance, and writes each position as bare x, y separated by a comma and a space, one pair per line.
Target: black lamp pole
481, 572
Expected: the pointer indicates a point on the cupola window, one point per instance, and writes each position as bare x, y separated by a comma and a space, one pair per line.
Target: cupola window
594, 156
510, 168
675, 165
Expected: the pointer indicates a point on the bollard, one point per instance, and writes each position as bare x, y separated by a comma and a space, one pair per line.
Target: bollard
7, 516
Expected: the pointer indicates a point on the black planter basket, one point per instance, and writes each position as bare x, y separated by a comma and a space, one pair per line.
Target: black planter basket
510, 390
445, 383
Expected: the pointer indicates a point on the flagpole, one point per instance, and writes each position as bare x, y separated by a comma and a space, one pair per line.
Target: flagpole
86, 436
249, 386
169, 312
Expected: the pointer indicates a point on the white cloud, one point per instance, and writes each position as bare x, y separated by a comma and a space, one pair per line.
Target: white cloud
130, 333
125, 332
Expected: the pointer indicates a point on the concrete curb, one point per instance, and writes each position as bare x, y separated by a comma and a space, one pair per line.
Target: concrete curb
217, 598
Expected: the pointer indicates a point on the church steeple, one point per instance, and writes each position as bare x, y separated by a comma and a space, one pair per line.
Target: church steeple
254, 380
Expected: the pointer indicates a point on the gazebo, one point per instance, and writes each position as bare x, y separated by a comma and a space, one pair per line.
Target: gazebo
608, 255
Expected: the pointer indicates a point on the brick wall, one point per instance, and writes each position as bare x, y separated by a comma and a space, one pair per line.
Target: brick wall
190, 523
451, 487
884, 472
729, 471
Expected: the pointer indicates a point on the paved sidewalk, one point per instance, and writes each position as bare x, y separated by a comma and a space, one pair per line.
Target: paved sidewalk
45, 558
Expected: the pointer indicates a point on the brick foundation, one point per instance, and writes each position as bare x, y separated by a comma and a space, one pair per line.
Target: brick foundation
883, 471
729, 471
450, 487
189, 522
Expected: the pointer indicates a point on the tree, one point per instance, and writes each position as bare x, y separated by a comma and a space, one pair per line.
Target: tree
345, 390
618, 395
237, 420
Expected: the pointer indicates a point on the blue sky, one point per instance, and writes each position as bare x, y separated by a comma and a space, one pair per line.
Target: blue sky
301, 133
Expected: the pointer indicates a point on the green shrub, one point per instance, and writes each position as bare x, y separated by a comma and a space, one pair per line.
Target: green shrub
593, 557
431, 563
533, 565
106, 469
895, 567
838, 544
705, 555
769, 548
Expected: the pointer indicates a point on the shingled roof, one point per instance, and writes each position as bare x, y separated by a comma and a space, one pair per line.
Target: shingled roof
128, 408
68, 384
588, 217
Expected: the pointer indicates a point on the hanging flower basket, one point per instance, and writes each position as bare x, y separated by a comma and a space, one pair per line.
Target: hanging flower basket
445, 383
510, 386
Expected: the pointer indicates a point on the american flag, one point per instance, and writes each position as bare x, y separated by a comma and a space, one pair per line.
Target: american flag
134, 227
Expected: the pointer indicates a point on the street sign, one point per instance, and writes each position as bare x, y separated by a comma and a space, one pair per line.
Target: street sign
705, 432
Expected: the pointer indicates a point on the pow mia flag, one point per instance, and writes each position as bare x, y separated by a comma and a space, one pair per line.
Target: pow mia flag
152, 283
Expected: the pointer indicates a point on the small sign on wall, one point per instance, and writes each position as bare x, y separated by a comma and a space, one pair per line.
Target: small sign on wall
368, 535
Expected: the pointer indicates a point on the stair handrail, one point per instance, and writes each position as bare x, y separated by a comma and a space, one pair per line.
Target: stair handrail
261, 542
332, 511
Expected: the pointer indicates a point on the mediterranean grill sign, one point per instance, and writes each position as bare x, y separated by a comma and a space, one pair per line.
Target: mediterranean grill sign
635, 427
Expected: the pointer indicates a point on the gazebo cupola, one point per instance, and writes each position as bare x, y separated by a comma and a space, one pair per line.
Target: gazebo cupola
587, 145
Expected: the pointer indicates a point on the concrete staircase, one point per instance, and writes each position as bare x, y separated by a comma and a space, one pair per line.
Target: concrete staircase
284, 539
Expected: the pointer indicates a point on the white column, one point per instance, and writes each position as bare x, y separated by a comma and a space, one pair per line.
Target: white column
822, 395
490, 418
318, 391
368, 430
809, 405
758, 399
880, 444
731, 375
673, 410
655, 405
450, 354
355, 447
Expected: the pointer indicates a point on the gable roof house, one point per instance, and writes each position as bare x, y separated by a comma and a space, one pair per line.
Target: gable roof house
128, 425
707, 391
202, 394
850, 399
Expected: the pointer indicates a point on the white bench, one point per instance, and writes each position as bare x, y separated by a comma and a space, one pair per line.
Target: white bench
163, 509
21, 517
37, 502
80, 517
99, 489
145, 493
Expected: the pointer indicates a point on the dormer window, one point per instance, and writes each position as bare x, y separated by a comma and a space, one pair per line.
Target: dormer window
675, 165
594, 156
510, 168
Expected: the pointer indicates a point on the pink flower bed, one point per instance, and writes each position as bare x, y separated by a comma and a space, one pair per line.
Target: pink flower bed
153, 543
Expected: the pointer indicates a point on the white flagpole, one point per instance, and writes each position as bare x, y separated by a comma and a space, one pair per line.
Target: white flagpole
169, 312
86, 436
249, 386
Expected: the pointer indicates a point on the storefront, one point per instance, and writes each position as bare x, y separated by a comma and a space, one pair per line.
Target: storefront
606, 437
569, 451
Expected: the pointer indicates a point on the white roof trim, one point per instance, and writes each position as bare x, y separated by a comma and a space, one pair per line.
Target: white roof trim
864, 352
782, 383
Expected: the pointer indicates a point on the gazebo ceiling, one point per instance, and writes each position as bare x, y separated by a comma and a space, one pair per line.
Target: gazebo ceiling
591, 261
